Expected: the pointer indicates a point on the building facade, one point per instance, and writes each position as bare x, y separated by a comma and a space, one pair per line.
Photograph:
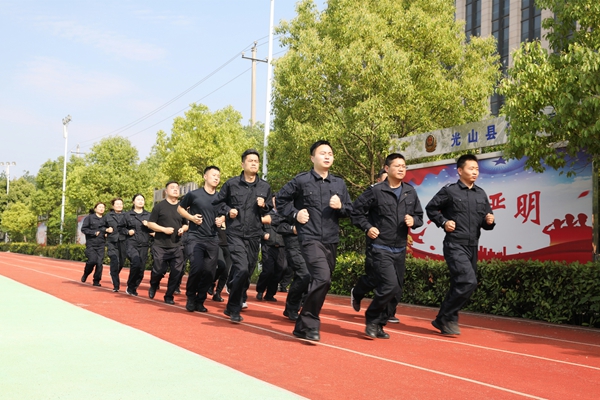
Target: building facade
511, 22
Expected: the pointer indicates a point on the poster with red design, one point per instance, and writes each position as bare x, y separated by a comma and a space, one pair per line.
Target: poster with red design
539, 216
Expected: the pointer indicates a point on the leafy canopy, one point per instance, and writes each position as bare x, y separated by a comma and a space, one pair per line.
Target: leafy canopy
554, 97
361, 71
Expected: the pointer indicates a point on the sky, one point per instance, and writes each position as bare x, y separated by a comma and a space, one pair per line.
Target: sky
125, 67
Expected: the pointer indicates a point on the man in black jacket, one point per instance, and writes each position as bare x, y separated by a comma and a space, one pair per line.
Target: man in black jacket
316, 200
202, 244
244, 200
385, 212
462, 209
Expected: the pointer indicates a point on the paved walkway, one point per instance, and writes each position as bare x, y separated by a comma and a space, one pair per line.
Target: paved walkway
51, 349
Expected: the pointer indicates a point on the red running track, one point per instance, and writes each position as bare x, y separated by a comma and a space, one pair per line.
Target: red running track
493, 358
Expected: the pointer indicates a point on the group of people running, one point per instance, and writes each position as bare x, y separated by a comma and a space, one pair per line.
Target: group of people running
299, 223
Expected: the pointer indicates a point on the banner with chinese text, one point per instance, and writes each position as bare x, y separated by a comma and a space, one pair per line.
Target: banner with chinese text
540, 216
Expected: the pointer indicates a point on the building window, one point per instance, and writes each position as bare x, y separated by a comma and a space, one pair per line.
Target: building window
531, 21
500, 25
473, 18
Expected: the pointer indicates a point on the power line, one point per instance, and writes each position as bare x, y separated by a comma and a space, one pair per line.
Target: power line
160, 108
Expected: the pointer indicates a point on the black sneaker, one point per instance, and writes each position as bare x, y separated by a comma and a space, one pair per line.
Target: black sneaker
96, 284
282, 289
190, 305
237, 318
151, 292
84, 277
381, 334
217, 297
170, 301
371, 331
448, 328
115, 290
211, 291
131, 292
259, 296
354, 302
271, 299
200, 307
393, 320
292, 316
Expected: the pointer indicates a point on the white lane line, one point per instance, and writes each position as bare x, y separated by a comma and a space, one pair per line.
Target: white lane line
500, 388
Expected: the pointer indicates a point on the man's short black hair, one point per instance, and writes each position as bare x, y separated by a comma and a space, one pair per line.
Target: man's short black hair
317, 144
380, 173
170, 182
209, 168
394, 156
248, 152
462, 160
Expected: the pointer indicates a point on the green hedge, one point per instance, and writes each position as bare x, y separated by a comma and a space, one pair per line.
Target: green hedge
549, 291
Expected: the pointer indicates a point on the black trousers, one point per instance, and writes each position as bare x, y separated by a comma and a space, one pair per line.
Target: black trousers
320, 260
244, 255
223, 268
138, 255
388, 270
95, 256
117, 253
462, 262
301, 277
273, 260
203, 264
165, 258
369, 281
287, 274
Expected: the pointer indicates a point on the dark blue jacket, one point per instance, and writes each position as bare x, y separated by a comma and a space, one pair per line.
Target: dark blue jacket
379, 207
241, 195
466, 207
308, 190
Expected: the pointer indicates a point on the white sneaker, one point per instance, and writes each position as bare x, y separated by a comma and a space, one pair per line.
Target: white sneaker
244, 305
227, 289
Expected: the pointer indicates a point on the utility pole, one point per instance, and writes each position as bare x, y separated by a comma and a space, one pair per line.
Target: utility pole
253, 100
79, 153
8, 164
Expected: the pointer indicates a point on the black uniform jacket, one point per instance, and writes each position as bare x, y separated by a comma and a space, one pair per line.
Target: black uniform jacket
118, 223
379, 207
275, 238
308, 190
141, 235
241, 195
92, 224
466, 207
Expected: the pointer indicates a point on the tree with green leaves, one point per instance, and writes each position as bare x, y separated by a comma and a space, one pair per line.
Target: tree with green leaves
46, 201
363, 71
109, 170
19, 221
553, 96
204, 138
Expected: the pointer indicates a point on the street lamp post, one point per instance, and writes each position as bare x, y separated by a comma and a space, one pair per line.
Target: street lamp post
8, 164
65, 122
268, 107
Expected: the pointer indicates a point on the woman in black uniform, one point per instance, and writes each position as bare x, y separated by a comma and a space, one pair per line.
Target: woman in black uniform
138, 242
94, 228
116, 241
